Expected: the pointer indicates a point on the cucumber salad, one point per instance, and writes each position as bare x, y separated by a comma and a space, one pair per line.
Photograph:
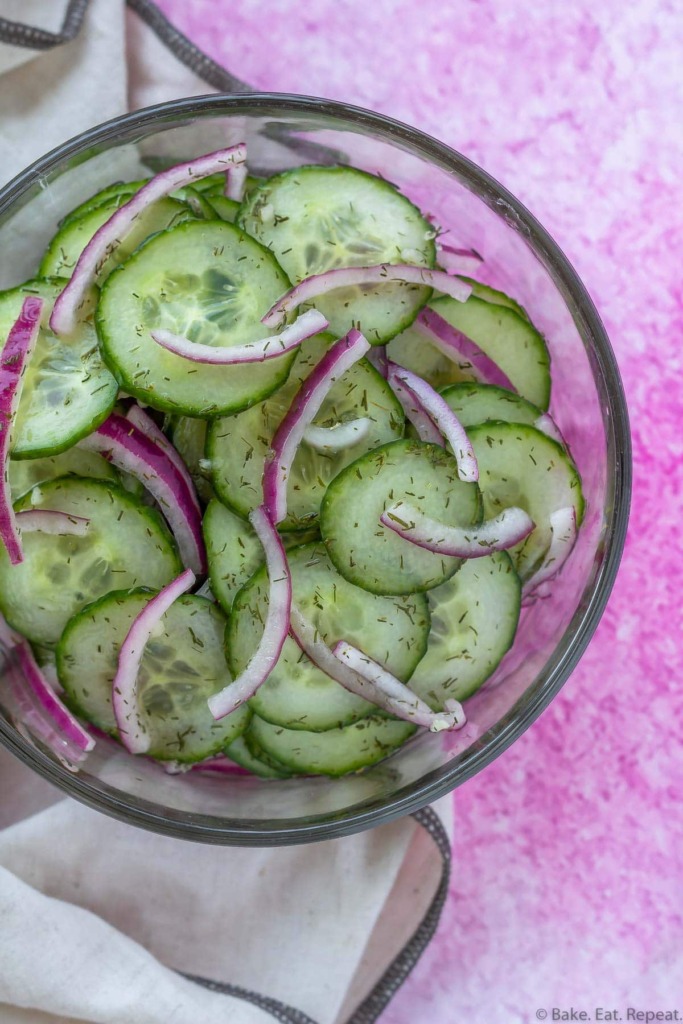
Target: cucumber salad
278, 473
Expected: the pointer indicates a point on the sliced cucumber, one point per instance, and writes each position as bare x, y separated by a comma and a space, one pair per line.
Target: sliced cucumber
127, 545
479, 403
317, 218
510, 340
474, 618
26, 474
367, 553
237, 446
233, 551
297, 694
264, 766
498, 298
520, 466
208, 281
67, 391
120, 192
334, 752
182, 666
67, 245
226, 209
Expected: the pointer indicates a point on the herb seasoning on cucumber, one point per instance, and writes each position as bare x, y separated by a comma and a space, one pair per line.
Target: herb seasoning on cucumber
277, 472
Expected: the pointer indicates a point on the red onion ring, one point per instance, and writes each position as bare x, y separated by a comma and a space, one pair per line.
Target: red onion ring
306, 325
14, 358
276, 625
443, 418
124, 445
505, 530
456, 346
64, 313
388, 693
305, 406
563, 531
129, 722
436, 721
344, 277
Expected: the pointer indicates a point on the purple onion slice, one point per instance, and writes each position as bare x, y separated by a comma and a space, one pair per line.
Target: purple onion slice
305, 406
129, 722
305, 326
14, 358
65, 311
345, 277
505, 530
276, 626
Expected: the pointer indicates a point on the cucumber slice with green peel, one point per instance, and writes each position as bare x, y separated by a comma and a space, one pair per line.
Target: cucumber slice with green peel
237, 446
334, 752
226, 209
297, 694
474, 617
68, 391
264, 766
373, 557
126, 545
507, 338
194, 201
498, 298
67, 245
205, 280
480, 403
119, 192
27, 473
317, 218
520, 466
189, 438
183, 664
233, 552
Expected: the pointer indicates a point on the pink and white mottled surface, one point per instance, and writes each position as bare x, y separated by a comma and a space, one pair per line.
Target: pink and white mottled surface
568, 880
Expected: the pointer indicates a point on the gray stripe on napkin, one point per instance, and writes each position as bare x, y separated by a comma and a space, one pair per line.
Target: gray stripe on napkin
16, 33
398, 971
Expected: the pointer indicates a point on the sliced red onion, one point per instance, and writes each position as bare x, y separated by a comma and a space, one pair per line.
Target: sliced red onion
235, 181
457, 347
124, 445
65, 722
378, 357
276, 625
458, 261
305, 406
413, 408
346, 277
220, 765
443, 418
563, 532
338, 437
390, 694
129, 722
104, 242
306, 325
14, 358
59, 524
505, 530
453, 717
547, 425
148, 427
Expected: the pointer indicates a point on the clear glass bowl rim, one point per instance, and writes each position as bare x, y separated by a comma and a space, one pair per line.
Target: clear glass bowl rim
250, 832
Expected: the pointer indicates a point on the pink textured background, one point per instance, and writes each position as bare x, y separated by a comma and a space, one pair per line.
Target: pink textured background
568, 880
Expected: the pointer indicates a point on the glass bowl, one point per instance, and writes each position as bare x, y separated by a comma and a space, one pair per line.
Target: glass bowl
588, 404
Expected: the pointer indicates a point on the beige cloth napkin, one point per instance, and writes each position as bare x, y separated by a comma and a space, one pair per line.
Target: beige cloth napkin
106, 923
